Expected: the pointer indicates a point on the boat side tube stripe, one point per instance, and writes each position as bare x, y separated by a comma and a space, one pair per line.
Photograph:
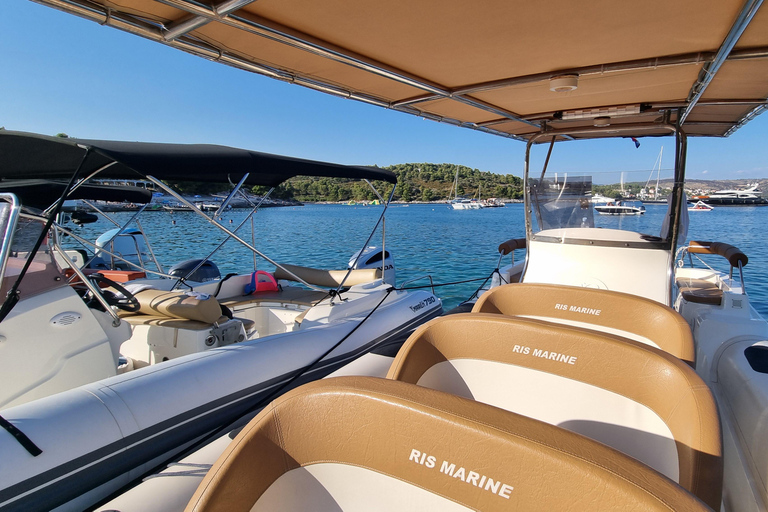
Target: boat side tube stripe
67, 481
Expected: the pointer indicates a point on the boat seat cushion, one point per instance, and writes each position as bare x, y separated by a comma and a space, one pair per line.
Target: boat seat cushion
630, 396
622, 314
361, 443
700, 291
328, 278
189, 306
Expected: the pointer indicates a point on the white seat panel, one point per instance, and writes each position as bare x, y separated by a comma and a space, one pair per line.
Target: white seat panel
602, 415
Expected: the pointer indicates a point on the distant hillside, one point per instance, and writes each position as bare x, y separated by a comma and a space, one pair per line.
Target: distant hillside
415, 182
434, 182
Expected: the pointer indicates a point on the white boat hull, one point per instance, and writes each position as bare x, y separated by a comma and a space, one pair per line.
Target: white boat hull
104, 435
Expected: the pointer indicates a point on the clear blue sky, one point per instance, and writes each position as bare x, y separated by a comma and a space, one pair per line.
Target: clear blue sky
60, 73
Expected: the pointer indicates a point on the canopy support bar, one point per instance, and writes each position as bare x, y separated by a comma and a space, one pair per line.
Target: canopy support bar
230, 233
188, 25
711, 68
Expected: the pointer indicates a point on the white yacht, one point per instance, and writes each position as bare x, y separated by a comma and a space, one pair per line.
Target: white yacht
600, 199
461, 203
603, 372
750, 196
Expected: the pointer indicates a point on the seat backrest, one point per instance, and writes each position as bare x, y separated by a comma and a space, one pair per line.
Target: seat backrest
630, 316
361, 443
327, 278
184, 305
637, 399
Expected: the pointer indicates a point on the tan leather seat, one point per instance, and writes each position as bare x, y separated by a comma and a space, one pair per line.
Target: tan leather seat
327, 278
189, 306
180, 310
618, 313
637, 399
367, 444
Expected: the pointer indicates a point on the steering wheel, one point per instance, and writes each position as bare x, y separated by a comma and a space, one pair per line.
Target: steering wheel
128, 301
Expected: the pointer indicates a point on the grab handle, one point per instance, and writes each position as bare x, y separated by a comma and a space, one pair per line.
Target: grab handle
734, 256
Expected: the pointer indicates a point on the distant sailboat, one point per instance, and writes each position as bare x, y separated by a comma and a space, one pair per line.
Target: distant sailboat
462, 203
657, 168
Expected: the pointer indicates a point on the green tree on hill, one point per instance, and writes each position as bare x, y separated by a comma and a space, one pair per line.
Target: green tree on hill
415, 181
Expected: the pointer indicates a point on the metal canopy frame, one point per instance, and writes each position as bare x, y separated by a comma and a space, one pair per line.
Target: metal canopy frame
178, 35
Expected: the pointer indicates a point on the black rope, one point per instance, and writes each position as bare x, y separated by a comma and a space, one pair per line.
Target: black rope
221, 282
442, 284
495, 271
21, 437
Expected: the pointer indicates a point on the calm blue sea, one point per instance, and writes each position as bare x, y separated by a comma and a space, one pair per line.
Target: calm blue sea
450, 245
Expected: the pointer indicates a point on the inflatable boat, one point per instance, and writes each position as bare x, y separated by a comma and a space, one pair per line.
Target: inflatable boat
139, 362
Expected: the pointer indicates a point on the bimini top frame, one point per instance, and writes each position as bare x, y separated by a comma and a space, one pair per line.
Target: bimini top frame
26, 155
462, 64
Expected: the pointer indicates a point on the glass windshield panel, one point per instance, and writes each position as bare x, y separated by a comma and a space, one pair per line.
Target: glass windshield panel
624, 188
562, 202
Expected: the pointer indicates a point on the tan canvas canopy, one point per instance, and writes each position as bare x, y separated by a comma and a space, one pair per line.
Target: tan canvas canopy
509, 67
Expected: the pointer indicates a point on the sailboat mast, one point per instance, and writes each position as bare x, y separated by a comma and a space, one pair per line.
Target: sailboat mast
658, 175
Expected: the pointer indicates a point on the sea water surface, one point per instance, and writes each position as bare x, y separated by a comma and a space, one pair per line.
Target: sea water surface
425, 239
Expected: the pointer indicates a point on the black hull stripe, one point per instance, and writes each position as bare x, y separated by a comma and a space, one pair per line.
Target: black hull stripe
67, 481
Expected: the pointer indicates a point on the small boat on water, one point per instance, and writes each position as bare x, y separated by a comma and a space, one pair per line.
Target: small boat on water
700, 206
461, 203
600, 199
492, 202
464, 204
619, 208
608, 370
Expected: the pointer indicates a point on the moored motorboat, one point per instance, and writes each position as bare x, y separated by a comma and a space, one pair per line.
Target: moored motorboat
700, 206
619, 208
600, 199
245, 338
748, 197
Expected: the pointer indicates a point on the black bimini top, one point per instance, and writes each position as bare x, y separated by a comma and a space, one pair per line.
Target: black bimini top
33, 156
43, 193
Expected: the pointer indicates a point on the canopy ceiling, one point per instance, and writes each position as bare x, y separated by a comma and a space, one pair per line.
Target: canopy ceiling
30, 156
486, 65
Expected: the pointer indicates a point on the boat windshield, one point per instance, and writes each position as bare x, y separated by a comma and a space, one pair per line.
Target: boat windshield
562, 202
628, 196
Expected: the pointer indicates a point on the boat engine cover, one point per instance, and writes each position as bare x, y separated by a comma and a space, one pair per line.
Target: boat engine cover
207, 272
370, 257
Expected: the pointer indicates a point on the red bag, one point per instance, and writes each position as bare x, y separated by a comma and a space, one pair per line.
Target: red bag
261, 282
